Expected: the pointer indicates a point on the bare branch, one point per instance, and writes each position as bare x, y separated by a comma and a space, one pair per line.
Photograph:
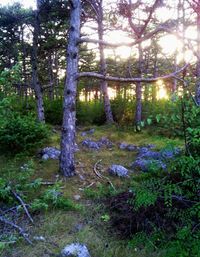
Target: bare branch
23, 205
20, 230
129, 80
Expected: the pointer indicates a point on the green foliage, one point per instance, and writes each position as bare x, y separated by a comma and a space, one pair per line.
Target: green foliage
99, 192
183, 244
33, 191
53, 111
17, 132
8, 77
90, 113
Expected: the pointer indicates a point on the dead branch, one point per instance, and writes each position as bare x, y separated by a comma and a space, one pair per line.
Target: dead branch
101, 176
129, 80
23, 205
18, 228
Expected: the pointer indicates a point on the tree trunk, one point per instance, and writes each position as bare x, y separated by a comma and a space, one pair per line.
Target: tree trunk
138, 112
103, 83
67, 162
35, 82
51, 78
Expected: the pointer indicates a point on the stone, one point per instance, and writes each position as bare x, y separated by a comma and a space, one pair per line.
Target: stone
90, 144
123, 146
96, 145
77, 197
45, 157
39, 238
118, 170
50, 153
75, 250
132, 148
129, 147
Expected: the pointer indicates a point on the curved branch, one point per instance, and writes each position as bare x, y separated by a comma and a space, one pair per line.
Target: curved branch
129, 80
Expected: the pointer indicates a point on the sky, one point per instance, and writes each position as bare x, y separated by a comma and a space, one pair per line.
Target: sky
26, 3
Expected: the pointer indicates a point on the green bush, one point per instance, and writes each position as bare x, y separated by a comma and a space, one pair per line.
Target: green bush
21, 133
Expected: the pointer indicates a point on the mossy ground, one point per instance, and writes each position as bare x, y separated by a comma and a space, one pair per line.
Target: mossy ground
86, 225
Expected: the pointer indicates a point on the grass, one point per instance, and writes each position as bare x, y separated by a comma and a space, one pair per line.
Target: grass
86, 225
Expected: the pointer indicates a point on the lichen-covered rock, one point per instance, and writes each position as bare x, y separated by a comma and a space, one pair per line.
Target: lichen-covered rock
128, 147
118, 170
96, 145
50, 153
123, 146
148, 164
75, 250
91, 144
148, 159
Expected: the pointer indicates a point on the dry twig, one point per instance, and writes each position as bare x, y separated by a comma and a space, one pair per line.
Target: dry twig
101, 176
23, 205
18, 228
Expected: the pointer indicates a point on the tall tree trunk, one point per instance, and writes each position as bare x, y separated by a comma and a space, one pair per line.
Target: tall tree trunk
51, 78
138, 112
35, 82
67, 162
103, 83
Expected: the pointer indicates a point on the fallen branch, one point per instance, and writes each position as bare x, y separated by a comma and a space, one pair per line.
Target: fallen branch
101, 176
20, 230
23, 205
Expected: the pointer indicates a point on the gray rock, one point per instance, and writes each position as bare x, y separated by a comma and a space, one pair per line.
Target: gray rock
123, 146
132, 148
50, 153
39, 238
83, 134
45, 157
77, 197
75, 250
118, 170
129, 147
103, 142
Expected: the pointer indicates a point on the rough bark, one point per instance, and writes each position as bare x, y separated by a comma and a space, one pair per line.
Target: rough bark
67, 162
35, 82
103, 83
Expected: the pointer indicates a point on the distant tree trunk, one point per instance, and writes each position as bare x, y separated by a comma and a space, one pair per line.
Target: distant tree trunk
51, 79
155, 74
138, 112
67, 161
35, 82
103, 83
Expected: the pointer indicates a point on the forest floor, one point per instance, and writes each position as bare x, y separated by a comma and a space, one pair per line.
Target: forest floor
89, 224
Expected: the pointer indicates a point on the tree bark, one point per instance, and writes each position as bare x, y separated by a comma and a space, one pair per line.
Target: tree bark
35, 82
103, 83
138, 111
67, 162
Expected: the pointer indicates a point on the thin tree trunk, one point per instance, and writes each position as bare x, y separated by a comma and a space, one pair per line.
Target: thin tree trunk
103, 83
35, 82
51, 79
138, 112
67, 161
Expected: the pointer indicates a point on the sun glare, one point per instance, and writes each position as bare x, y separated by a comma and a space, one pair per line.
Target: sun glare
161, 90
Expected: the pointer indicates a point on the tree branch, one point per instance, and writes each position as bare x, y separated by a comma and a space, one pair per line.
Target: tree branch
20, 230
129, 80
